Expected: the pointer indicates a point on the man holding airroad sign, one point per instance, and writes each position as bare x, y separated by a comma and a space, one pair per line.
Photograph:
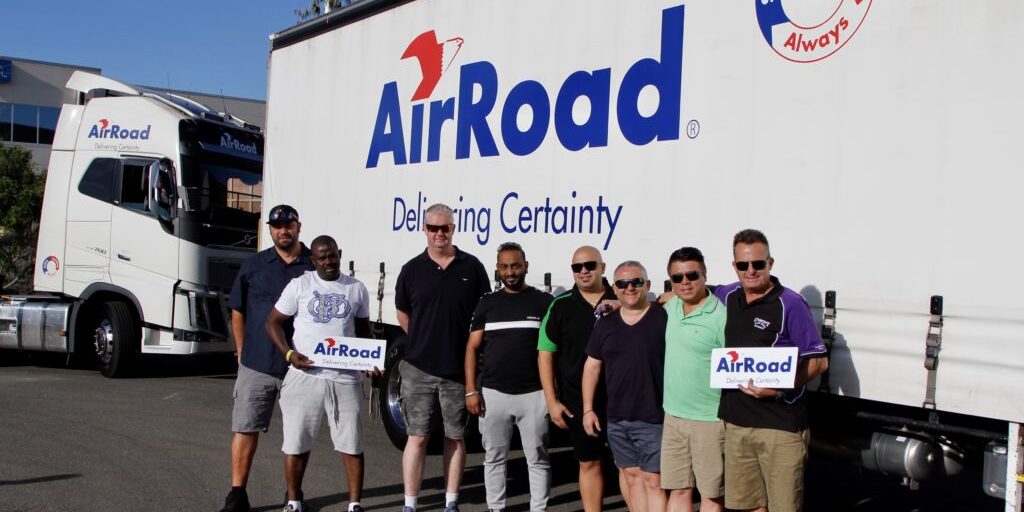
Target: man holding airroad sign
330, 310
766, 428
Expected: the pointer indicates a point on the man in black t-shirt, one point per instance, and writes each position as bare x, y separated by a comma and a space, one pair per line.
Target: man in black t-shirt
628, 346
504, 326
434, 297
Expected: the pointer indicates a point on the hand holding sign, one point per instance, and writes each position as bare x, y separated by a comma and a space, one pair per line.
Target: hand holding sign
758, 392
298, 360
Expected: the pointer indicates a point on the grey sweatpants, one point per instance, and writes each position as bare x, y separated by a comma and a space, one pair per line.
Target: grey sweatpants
529, 413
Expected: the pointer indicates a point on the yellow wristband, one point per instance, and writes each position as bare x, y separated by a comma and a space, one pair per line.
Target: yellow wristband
288, 356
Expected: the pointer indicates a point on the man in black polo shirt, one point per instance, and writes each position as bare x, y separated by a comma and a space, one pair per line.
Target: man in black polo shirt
562, 344
261, 367
766, 433
504, 327
435, 296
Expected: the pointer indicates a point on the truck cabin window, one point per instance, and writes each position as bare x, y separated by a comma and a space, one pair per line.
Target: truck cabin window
135, 186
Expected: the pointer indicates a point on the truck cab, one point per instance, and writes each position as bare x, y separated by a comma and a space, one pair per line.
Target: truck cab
152, 202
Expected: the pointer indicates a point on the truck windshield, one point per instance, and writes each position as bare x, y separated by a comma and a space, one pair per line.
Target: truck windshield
221, 184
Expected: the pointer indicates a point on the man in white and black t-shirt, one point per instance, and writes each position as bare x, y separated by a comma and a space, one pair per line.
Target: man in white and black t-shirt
505, 325
324, 303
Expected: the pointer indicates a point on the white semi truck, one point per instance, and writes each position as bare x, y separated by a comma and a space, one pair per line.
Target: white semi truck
151, 204
875, 143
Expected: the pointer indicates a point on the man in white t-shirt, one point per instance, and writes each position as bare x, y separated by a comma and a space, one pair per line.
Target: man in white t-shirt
324, 303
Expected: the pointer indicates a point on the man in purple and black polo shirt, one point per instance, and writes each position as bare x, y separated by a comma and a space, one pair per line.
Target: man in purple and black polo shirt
766, 433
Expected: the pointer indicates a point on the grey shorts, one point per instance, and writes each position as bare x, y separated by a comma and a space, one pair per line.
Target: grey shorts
424, 395
636, 444
304, 401
254, 395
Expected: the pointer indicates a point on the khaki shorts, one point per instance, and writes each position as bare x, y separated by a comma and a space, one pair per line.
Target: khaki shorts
692, 456
765, 467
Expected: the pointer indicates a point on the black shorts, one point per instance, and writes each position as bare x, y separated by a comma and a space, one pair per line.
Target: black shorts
584, 447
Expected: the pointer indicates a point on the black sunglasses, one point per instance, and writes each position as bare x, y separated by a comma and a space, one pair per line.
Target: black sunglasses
578, 267
434, 228
690, 276
757, 264
637, 282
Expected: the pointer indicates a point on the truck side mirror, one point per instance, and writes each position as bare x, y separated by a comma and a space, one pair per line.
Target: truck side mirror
162, 190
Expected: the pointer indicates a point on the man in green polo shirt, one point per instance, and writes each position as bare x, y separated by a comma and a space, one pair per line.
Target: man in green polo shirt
693, 438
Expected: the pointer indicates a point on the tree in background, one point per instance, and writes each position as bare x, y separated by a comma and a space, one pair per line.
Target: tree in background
318, 7
21, 197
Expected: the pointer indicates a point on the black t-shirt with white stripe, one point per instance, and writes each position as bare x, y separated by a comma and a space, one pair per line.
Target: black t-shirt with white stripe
510, 322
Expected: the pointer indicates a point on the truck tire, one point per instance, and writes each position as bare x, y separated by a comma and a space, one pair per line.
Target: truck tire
114, 335
390, 392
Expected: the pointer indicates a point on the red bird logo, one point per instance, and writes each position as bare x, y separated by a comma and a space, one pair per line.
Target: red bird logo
104, 123
434, 58
330, 342
734, 355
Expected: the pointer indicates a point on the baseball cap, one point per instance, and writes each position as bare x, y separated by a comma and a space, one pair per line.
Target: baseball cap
282, 214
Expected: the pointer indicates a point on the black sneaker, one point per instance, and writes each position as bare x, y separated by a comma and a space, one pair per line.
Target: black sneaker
357, 508
237, 501
452, 506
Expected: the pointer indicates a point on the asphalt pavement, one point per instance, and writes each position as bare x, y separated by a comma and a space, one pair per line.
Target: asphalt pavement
72, 440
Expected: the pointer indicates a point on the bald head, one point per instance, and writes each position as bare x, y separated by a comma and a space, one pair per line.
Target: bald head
588, 269
587, 252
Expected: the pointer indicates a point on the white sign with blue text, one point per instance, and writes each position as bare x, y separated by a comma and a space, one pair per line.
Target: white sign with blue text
768, 367
342, 353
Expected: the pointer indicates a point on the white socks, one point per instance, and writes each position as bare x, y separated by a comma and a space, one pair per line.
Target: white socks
410, 501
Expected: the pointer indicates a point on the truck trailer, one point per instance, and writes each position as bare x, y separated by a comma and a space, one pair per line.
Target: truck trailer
873, 142
151, 203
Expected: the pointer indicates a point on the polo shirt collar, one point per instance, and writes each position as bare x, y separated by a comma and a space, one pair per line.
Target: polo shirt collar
710, 305
773, 294
608, 292
459, 255
270, 255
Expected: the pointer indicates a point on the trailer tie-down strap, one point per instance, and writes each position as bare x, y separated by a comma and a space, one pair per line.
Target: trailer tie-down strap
828, 335
932, 346
378, 332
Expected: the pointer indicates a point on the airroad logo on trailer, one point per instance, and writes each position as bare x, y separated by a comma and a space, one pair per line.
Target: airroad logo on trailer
814, 42
477, 121
105, 130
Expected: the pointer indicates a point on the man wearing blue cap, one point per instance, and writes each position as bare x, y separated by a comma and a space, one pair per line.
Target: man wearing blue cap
261, 366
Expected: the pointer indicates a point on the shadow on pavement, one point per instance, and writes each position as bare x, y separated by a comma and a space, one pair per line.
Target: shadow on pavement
40, 479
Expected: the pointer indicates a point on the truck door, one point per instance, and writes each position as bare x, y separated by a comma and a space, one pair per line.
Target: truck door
87, 254
144, 248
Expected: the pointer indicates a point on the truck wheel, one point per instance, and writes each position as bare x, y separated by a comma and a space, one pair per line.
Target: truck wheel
391, 391
391, 413
115, 333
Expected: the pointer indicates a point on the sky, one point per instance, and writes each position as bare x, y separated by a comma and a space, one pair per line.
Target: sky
212, 46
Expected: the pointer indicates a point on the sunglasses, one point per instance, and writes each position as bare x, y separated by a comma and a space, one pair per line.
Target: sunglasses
757, 264
690, 276
578, 267
637, 282
434, 228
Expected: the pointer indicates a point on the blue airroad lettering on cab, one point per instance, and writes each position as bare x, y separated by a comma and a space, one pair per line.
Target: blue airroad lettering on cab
474, 120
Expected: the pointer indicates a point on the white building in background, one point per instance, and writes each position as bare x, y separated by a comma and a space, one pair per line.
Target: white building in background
32, 92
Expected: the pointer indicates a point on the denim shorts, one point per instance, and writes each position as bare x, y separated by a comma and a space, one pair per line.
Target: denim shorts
636, 444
